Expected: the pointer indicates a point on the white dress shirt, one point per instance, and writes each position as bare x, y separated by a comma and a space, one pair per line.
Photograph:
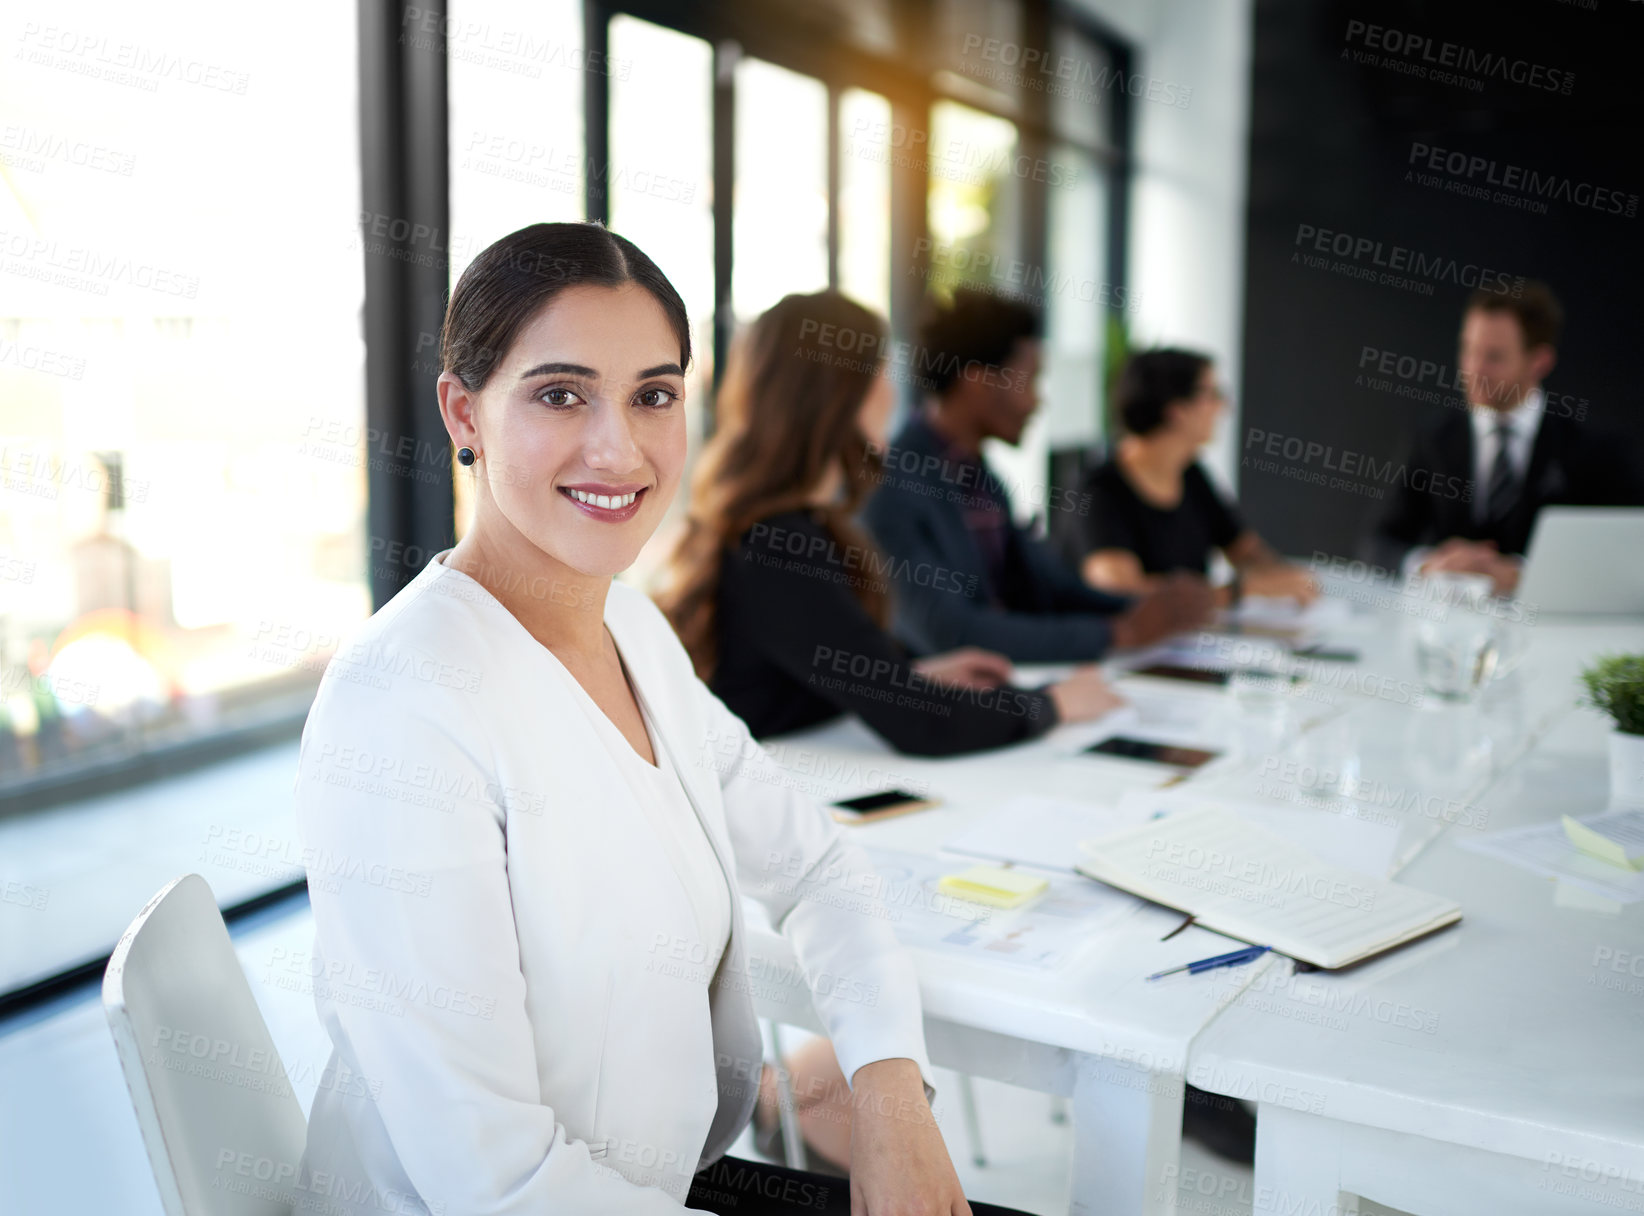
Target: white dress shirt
1524, 420
512, 941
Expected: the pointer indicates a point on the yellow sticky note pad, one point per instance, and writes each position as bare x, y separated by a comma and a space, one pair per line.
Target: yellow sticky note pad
993, 885
1602, 847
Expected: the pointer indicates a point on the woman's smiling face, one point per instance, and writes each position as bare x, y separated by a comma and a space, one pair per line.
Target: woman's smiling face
581, 426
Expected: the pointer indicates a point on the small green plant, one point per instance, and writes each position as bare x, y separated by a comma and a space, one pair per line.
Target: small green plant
1615, 684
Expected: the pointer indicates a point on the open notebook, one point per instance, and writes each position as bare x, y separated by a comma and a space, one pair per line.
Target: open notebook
1247, 882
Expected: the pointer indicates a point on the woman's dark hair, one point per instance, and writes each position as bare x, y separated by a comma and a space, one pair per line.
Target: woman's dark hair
503, 288
975, 328
1150, 380
786, 412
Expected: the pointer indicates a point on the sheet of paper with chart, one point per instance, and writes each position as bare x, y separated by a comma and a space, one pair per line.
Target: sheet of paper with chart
1545, 848
1042, 934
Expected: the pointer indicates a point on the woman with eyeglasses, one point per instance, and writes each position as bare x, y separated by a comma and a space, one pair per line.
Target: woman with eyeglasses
1153, 509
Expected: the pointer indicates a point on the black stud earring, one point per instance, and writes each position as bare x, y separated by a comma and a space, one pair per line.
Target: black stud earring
465, 455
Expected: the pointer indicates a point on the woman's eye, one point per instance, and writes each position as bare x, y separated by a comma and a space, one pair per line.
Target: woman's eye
558, 396
657, 398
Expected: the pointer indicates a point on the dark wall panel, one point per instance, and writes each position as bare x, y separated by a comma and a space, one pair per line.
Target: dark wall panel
1345, 98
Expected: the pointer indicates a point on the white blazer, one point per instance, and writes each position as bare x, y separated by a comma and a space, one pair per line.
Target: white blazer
505, 958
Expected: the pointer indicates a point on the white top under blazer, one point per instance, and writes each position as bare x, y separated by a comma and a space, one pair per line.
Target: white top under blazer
514, 952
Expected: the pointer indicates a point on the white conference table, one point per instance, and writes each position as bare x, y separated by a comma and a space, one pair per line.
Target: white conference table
1095, 1030
1497, 1067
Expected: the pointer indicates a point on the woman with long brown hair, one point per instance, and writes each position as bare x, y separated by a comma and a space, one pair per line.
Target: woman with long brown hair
781, 600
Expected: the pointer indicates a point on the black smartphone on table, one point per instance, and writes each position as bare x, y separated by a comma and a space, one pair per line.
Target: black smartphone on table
1176, 671
865, 808
1173, 754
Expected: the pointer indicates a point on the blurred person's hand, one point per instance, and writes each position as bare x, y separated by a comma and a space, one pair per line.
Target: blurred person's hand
1083, 696
1459, 556
967, 667
1182, 602
1475, 557
1281, 581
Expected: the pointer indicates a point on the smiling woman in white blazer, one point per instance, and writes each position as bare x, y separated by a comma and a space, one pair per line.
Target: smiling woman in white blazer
529, 824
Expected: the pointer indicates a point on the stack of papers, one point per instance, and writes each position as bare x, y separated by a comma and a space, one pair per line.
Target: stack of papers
1547, 848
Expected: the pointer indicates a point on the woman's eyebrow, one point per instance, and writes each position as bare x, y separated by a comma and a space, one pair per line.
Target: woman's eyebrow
578, 369
559, 369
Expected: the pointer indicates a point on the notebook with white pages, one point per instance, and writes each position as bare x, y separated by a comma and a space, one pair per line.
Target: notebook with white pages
1240, 879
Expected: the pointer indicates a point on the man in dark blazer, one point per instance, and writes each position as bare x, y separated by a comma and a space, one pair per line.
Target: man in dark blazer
941, 508
1514, 450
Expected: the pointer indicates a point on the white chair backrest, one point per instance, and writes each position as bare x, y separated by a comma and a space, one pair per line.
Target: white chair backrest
223, 1130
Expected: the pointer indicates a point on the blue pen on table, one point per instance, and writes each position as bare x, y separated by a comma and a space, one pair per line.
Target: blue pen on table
1220, 960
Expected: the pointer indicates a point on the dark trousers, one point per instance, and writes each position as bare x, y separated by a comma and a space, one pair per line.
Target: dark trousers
734, 1187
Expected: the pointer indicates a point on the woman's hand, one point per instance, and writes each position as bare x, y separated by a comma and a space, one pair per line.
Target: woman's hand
1084, 695
899, 1163
1181, 601
967, 667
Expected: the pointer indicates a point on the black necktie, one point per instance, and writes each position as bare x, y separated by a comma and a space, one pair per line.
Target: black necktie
1501, 491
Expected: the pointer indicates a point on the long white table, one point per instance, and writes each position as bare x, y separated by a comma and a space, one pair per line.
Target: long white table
1093, 1031
1121, 1048
1497, 1067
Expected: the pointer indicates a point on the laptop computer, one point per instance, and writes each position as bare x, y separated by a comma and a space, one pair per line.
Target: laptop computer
1585, 560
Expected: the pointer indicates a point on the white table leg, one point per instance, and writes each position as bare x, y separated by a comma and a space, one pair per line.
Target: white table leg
1299, 1163
1127, 1138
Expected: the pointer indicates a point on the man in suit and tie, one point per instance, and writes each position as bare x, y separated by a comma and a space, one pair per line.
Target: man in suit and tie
1518, 455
